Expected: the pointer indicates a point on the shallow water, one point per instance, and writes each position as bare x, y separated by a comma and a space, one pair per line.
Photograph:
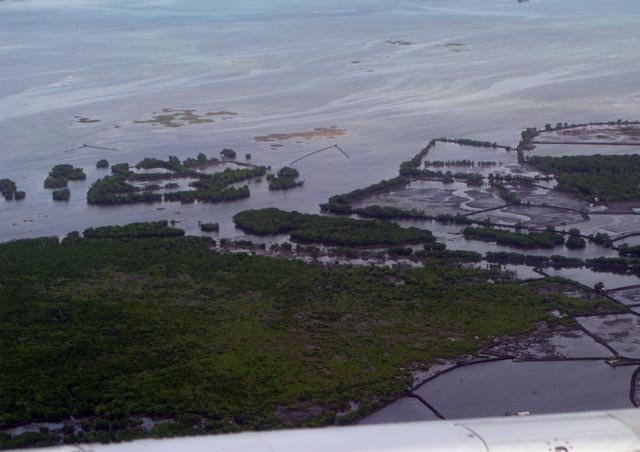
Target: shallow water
547, 343
406, 409
124, 62
590, 278
629, 297
494, 388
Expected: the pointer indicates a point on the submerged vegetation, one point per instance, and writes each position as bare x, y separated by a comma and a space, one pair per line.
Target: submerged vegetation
112, 329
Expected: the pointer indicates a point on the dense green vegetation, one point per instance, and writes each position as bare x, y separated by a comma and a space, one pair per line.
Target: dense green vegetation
61, 195
68, 172
602, 239
109, 330
59, 178
148, 229
598, 264
517, 239
212, 196
116, 190
228, 154
102, 164
173, 163
575, 241
626, 250
200, 161
287, 171
8, 188
412, 167
329, 230
284, 183
440, 254
215, 187
121, 169
473, 143
534, 260
177, 167
227, 177
209, 227
55, 182
606, 177
286, 178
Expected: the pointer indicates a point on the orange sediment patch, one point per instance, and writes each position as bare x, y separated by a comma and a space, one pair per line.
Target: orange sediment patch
318, 132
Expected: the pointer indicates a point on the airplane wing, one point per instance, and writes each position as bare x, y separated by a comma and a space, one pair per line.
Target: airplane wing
607, 431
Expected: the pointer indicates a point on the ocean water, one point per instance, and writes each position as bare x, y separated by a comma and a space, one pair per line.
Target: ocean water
476, 69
